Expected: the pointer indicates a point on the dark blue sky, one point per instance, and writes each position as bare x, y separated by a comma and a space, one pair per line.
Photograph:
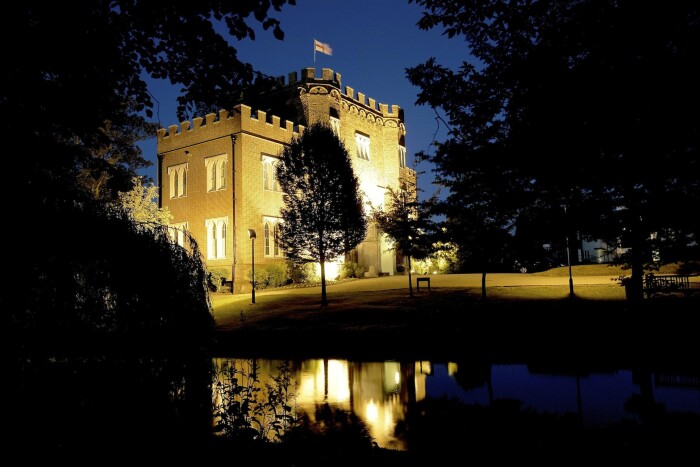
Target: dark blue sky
373, 43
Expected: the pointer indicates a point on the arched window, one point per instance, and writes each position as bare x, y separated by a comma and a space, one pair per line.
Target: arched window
216, 237
222, 175
221, 241
177, 232
211, 244
362, 146
276, 237
270, 182
216, 172
271, 236
178, 180
335, 121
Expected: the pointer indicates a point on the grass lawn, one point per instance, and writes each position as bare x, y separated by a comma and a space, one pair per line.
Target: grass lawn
444, 323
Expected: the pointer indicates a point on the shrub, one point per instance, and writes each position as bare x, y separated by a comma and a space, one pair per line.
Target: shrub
276, 275
351, 269
270, 276
301, 273
444, 260
216, 277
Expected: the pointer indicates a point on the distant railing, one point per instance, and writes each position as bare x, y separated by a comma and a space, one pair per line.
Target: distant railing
654, 284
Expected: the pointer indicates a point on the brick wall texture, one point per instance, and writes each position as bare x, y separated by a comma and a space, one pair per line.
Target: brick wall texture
246, 137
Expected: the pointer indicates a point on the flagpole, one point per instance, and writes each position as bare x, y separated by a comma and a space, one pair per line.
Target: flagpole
314, 52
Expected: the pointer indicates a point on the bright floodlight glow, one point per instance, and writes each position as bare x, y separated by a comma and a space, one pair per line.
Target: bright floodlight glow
372, 411
332, 270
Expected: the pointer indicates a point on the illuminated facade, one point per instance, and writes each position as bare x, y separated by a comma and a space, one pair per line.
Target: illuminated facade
216, 174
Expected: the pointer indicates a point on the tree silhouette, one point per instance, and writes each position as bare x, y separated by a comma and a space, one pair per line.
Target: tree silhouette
323, 214
78, 107
407, 222
569, 98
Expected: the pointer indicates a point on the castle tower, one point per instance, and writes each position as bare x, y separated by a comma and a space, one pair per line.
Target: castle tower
216, 174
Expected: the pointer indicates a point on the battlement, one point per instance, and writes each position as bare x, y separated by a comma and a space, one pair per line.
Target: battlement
216, 125
328, 77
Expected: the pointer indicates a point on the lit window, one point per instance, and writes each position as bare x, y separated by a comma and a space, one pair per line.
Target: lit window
216, 172
362, 145
177, 175
216, 237
269, 173
402, 156
177, 232
272, 235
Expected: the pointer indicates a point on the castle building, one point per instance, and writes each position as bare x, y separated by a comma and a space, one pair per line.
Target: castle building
216, 174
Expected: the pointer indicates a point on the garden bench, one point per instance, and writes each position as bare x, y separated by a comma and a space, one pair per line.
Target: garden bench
422, 279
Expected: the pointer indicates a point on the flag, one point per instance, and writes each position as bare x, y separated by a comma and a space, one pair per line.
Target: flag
323, 48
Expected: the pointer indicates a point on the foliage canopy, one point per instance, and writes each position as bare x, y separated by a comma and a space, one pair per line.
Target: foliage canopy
572, 104
78, 106
323, 208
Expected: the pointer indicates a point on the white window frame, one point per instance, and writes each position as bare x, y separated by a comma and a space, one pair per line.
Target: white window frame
177, 232
335, 125
271, 232
402, 156
217, 231
177, 175
216, 172
270, 182
362, 146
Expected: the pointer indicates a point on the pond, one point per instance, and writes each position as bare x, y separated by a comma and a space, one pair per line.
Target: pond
385, 395
84, 406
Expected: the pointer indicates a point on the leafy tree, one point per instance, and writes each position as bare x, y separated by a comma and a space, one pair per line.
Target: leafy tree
109, 302
112, 166
67, 104
140, 203
323, 213
407, 222
77, 108
568, 98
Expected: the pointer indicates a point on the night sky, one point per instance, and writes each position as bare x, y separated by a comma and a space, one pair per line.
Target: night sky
373, 43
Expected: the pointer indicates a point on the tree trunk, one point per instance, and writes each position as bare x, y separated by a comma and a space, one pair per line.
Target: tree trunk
324, 298
635, 288
410, 286
483, 285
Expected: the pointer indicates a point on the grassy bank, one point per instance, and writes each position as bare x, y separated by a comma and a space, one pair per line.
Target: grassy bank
522, 322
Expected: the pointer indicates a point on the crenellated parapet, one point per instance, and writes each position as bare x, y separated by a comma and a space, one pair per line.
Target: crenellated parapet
358, 103
225, 123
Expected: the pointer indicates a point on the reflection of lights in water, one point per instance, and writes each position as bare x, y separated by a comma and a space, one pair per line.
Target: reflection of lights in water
372, 412
312, 384
452, 368
423, 368
338, 381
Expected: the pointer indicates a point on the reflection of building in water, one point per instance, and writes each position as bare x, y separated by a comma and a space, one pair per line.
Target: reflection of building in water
377, 392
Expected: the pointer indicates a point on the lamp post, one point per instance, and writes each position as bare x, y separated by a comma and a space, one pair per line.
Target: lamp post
568, 261
251, 234
568, 258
